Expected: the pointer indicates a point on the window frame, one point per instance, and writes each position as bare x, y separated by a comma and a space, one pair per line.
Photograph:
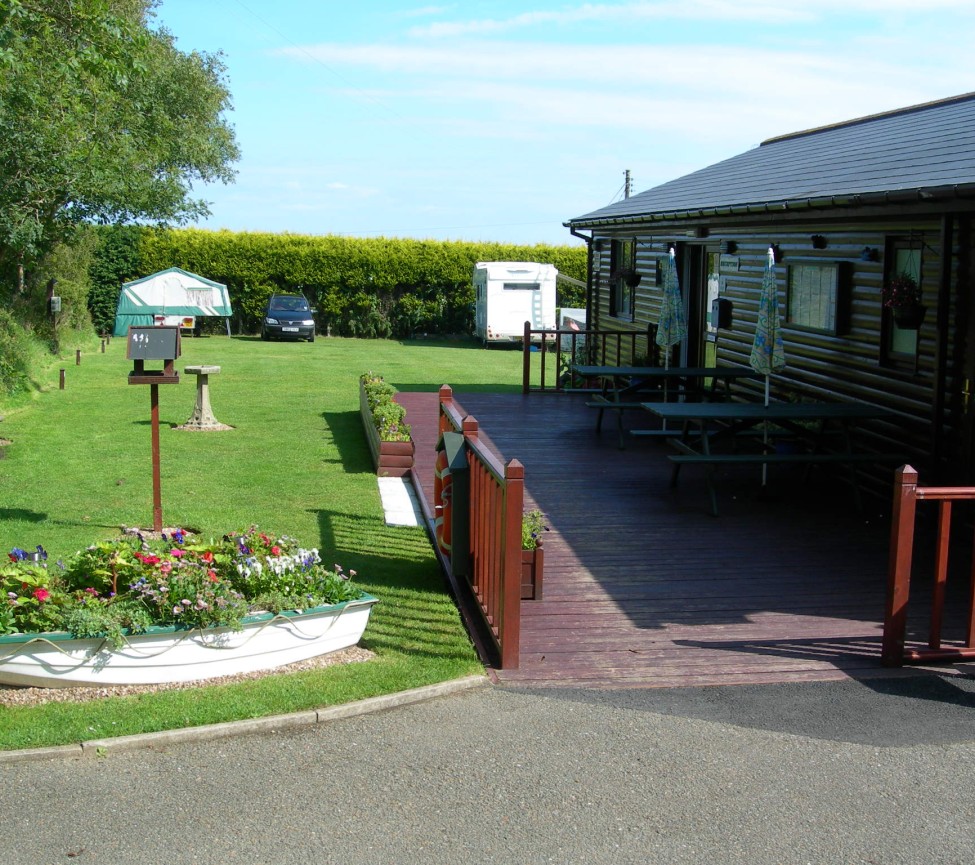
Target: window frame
622, 297
891, 355
839, 303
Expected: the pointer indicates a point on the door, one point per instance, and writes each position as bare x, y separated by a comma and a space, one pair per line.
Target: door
701, 284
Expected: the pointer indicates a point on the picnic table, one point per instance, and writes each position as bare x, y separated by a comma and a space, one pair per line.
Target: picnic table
815, 424
626, 387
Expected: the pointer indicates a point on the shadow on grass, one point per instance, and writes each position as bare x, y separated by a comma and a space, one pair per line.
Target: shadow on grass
22, 515
350, 440
416, 616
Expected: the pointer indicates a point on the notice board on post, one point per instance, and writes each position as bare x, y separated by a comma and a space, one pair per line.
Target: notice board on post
153, 343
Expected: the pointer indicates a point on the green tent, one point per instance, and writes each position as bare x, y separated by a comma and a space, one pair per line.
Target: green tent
171, 296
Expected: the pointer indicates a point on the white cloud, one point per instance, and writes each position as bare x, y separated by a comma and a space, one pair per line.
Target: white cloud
713, 11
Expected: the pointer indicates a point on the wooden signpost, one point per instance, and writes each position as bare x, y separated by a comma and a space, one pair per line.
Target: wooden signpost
154, 343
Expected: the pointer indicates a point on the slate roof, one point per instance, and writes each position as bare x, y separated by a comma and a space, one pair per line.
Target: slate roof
924, 151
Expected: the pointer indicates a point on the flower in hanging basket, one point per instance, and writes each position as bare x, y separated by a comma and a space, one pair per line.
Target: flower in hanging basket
901, 291
627, 275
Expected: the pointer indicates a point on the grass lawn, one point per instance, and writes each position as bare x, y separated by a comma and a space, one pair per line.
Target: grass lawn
296, 463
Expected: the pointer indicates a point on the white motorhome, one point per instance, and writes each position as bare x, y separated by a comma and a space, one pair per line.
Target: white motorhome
509, 293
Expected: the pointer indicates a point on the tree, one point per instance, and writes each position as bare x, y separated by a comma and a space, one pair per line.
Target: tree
102, 120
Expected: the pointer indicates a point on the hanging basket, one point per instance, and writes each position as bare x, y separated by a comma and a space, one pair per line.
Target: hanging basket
909, 317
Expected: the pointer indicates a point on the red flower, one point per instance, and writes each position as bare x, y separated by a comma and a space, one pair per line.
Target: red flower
207, 557
147, 560
275, 551
213, 576
41, 594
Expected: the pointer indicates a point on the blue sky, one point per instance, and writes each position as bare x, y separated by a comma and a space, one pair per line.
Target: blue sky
501, 120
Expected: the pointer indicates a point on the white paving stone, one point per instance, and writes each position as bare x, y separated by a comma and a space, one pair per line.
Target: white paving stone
400, 504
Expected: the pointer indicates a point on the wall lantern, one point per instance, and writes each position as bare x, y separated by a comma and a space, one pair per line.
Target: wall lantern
776, 252
727, 247
818, 241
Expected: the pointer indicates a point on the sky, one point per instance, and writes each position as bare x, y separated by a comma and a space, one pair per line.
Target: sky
499, 121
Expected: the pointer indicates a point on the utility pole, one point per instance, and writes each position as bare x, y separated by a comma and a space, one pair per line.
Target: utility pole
627, 183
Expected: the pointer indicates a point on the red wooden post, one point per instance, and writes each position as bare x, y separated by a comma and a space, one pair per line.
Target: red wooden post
446, 398
514, 477
970, 630
899, 566
940, 574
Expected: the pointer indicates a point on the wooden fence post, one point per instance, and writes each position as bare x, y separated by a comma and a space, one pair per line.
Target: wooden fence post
514, 499
899, 566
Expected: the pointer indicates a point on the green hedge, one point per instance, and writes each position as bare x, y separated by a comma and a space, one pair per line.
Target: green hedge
376, 287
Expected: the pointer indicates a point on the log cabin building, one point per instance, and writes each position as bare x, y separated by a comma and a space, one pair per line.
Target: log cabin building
847, 208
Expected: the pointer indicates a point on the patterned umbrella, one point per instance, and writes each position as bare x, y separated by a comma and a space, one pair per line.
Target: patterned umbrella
671, 326
768, 350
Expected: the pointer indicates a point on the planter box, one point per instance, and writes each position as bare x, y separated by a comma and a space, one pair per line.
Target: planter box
532, 562
391, 459
268, 640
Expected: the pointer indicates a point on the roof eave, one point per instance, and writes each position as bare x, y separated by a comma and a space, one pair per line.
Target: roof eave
860, 199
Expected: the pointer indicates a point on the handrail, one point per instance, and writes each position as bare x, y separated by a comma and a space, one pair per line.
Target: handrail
907, 493
495, 510
605, 347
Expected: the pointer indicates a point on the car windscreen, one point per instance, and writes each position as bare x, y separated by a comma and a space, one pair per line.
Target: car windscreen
288, 305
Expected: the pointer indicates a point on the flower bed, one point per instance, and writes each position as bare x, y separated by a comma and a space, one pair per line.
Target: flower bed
383, 420
82, 621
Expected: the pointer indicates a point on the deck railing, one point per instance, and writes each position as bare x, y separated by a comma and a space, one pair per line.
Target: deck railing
557, 350
494, 517
906, 496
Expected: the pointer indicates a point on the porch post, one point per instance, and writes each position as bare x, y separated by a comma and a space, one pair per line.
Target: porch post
899, 566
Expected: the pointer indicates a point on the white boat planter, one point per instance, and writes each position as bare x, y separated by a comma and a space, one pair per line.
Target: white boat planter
169, 654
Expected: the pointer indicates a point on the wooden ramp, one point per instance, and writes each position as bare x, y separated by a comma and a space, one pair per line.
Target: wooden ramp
643, 587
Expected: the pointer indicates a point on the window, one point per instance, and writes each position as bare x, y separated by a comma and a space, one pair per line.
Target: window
900, 343
522, 286
622, 279
816, 296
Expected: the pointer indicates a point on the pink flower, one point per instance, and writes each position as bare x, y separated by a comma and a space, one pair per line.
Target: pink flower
177, 553
41, 594
165, 567
275, 550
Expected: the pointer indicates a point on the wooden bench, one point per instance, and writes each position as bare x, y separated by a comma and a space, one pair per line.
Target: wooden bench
715, 459
603, 403
808, 459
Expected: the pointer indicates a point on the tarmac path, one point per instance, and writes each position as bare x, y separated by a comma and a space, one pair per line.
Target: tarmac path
838, 772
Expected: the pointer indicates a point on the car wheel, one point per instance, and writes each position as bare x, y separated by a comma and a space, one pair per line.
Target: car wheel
264, 336
311, 338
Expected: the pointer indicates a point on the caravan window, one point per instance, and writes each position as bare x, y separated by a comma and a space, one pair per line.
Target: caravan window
522, 286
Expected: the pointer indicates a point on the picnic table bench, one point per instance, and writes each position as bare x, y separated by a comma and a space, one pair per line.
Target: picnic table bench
626, 387
832, 421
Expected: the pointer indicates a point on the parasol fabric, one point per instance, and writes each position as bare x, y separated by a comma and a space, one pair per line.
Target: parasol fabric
672, 325
768, 349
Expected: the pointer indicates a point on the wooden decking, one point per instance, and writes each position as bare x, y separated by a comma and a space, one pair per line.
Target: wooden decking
643, 587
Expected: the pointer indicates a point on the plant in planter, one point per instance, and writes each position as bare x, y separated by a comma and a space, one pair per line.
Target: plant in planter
384, 422
627, 275
532, 555
87, 620
902, 296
